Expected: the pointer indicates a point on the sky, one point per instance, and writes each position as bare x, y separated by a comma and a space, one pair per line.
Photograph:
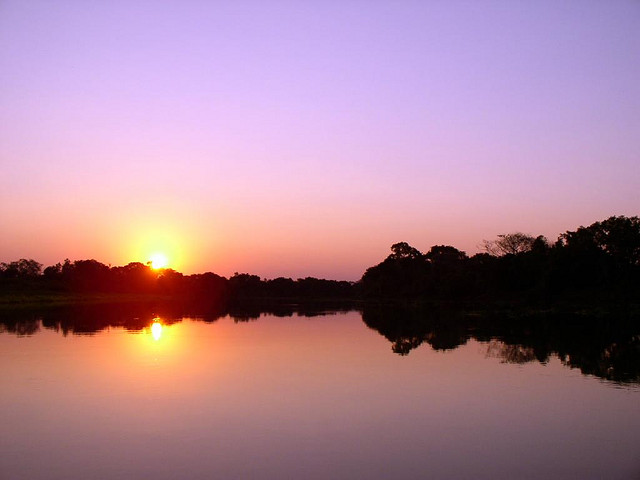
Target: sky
288, 138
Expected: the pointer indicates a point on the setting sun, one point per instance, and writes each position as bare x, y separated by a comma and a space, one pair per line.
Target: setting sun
159, 260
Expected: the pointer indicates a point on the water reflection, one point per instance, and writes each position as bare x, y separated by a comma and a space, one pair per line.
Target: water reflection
294, 397
517, 354
605, 346
156, 329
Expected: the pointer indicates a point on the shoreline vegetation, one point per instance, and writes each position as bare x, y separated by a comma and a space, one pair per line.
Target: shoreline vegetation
595, 268
581, 305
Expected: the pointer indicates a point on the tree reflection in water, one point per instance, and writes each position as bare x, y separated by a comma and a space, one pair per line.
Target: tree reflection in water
605, 346
512, 353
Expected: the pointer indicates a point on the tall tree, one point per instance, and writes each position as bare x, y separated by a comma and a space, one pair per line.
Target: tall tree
509, 244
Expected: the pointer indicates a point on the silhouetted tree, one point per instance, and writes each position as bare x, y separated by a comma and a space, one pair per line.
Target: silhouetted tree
449, 279
89, 276
619, 237
135, 277
243, 285
509, 244
603, 256
23, 268
445, 255
403, 250
171, 282
282, 287
404, 273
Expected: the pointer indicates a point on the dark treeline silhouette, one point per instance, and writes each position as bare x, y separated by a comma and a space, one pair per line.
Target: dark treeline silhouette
598, 263
92, 277
607, 346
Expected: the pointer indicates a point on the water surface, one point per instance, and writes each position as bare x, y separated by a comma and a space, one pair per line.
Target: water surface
299, 397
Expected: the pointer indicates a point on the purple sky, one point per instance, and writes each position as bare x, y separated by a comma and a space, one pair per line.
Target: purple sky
304, 138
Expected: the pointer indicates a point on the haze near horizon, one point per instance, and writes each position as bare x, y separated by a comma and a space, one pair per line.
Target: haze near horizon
303, 139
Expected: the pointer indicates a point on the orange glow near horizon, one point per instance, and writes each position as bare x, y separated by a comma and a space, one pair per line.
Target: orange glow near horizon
160, 246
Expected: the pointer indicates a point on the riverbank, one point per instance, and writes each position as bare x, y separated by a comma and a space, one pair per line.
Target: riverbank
52, 299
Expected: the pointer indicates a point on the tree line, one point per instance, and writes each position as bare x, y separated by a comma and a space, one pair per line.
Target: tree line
600, 261
93, 277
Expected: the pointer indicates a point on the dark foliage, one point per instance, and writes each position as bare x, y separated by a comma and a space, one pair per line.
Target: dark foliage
93, 277
607, 346
600, 262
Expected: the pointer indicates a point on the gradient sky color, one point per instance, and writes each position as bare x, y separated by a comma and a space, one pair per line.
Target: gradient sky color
297, 139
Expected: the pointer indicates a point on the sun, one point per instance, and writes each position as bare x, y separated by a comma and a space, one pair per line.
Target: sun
158, 260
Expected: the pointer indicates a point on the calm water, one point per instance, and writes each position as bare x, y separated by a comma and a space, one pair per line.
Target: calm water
299, 397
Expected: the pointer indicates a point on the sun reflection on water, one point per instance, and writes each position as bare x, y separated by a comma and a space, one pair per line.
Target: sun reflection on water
156, 329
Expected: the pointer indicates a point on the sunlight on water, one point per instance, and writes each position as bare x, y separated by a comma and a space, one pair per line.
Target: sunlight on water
156, 329
294, 395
